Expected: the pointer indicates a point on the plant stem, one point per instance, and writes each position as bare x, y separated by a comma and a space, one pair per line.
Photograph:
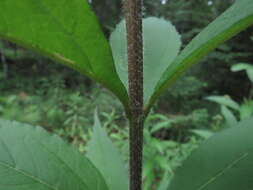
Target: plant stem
133, 13
136, 149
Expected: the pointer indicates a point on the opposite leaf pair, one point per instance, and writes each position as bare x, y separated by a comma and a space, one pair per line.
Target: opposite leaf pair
162, 64
68, 32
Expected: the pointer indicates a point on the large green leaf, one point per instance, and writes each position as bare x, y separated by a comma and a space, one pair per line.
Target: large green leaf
161, 46
31, 159
105, 156
66, 31
225, 161
238, 17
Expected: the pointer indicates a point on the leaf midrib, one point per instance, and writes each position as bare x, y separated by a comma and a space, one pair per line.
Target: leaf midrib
34, 178
63, 162
223, 171
67, 34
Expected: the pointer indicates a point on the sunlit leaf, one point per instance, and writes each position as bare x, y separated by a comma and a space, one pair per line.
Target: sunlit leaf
237, 18
66, 31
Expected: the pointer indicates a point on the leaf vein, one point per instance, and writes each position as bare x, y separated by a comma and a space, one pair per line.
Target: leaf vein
212, 179
34, 178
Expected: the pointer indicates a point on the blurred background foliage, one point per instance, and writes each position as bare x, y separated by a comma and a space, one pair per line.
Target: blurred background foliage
35, 90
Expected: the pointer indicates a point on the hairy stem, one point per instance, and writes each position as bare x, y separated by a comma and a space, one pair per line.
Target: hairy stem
133, 14
136, 147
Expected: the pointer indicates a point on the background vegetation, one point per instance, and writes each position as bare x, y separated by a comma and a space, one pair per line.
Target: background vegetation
37, 91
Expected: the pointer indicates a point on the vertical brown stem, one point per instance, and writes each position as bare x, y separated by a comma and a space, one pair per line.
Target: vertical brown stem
136, 149
133, 13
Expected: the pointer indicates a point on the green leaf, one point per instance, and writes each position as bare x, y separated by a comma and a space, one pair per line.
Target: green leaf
31, 159
164, 182
66, 31
228, 116
237, 18
224, 100
202, 133
161, 46
246, 109
105, 156
161, 125
223, 162
241, 67
244, 66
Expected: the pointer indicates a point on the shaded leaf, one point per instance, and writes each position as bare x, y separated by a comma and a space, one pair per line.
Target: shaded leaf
105, 156
161, 46
224, 161
32, 159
